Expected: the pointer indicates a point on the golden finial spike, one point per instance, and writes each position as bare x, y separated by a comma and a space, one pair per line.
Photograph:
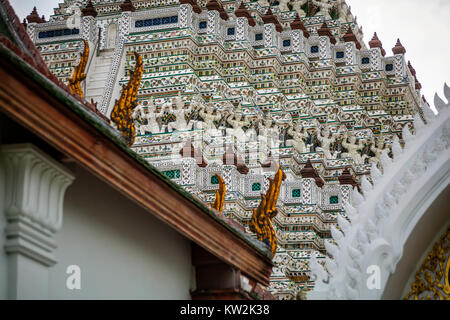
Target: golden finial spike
220, 195
261, 222
79, 72
122, 112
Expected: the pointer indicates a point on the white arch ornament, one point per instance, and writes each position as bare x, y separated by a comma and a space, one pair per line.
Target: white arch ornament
382, 220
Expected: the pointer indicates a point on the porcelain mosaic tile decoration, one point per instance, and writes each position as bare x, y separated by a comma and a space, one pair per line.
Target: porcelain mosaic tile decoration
237, 93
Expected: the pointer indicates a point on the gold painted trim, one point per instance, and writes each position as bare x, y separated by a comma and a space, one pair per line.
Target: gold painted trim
447, 275
432, 279
79, 74
261, 222
122, 114
220, 195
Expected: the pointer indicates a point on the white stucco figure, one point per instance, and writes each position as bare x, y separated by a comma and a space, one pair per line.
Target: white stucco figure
179, 111
297, 6
352, 149
208, 116
324, 7
238, 121
152, 124
377, 148
139, 119
326, 140
269, 131
146, 119
283, 6
300, 135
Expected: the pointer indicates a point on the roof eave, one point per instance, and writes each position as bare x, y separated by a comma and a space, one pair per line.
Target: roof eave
58, 118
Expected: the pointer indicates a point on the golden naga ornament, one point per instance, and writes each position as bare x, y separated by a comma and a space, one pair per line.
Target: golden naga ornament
122, 114
261, 222
79, 74
220, 195
432, 279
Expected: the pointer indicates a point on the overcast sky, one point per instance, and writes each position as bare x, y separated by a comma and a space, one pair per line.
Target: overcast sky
423, 27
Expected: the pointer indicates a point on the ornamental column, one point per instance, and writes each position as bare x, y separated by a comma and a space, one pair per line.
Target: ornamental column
88, 24
243, 21
311, 181
347, 183
271, 24
269, 35
35, 185
326, 38
375, 59
297, 41
399, 56
299, 35
350, 54
376, 53
215, 10
213, 25
242, 29
324, 48
351, 44
185, 15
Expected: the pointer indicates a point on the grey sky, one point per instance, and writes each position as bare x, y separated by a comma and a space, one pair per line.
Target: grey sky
24, 7
423, 27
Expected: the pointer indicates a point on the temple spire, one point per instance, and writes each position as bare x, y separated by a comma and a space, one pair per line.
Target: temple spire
413, 71
195, 7
399, 48
243, 12
324, 31
127, 5
309, 171
417, 84
217, 5
89, 10
297, 24
376, 43
350, 37
347, 178
33, 17
269, 17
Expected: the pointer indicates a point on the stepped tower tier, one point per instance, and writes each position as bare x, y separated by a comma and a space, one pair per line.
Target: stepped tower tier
245, 87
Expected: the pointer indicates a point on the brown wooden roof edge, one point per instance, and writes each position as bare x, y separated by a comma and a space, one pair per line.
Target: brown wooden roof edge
39, 83
34, 101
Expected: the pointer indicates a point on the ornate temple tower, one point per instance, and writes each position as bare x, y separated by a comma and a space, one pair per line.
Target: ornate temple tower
235, 89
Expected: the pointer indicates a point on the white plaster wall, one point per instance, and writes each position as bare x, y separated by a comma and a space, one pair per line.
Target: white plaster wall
123, 251
3, 257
